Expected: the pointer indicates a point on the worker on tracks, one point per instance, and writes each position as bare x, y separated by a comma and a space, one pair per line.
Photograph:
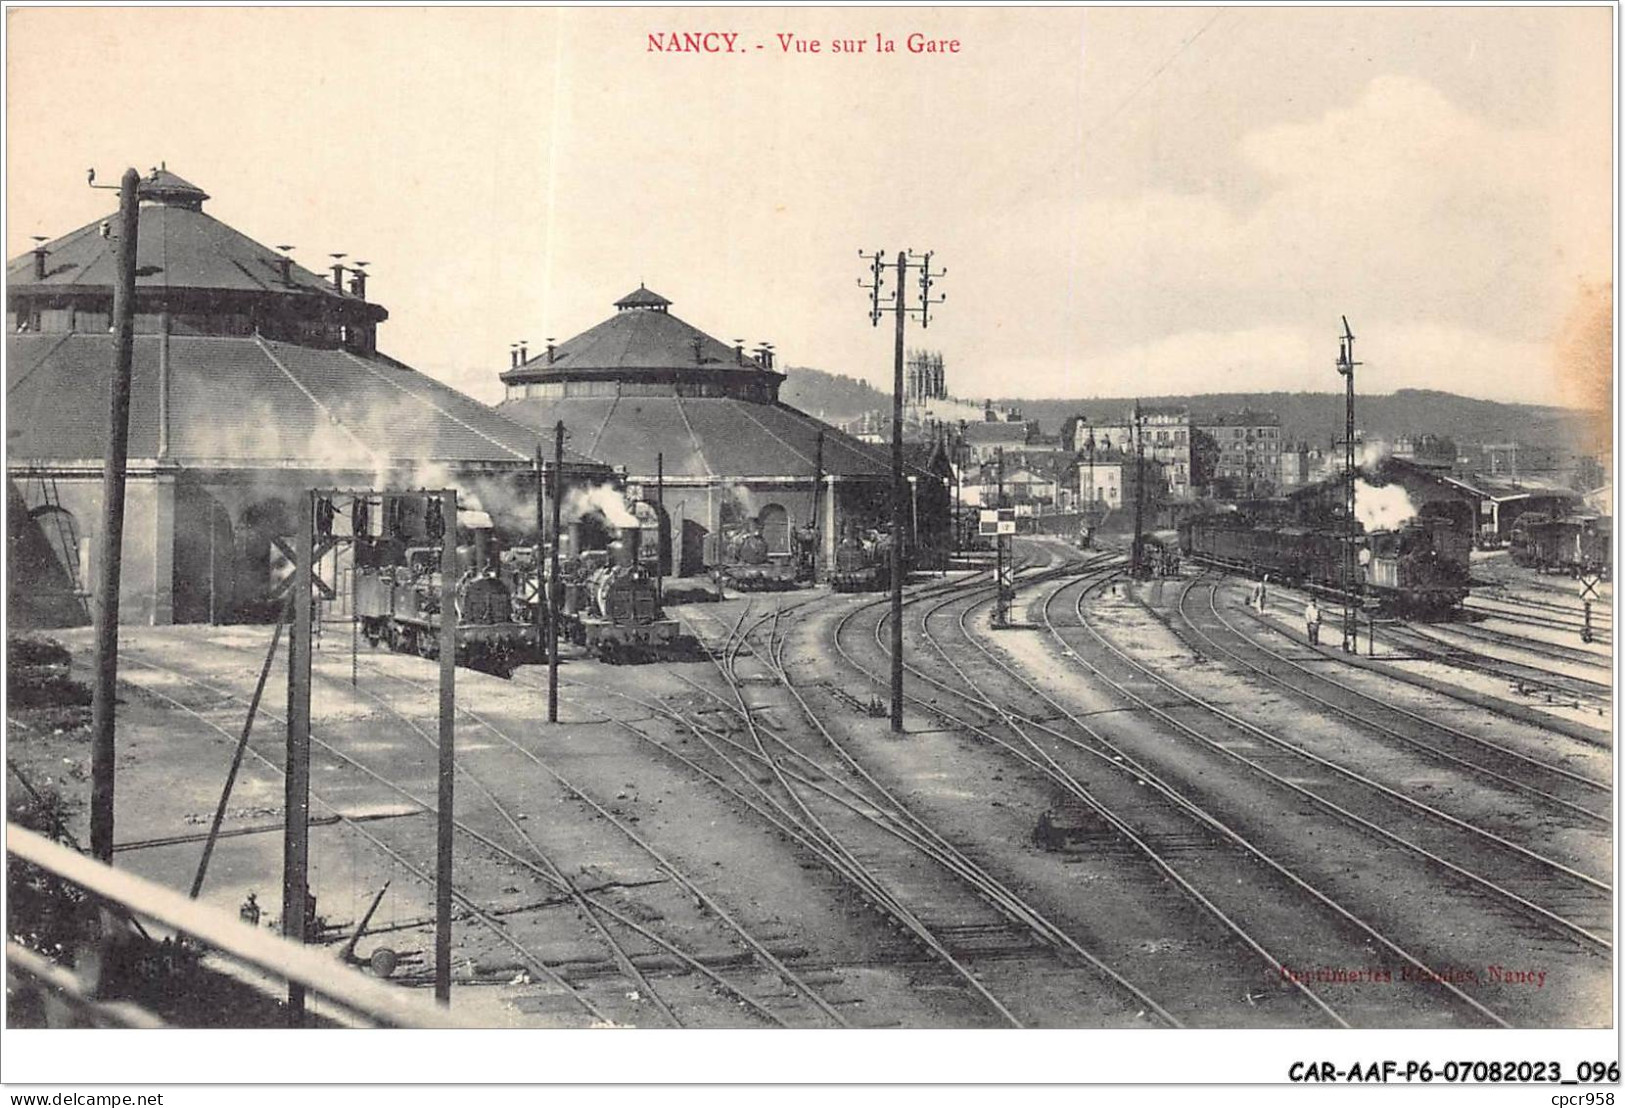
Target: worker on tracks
1311, 620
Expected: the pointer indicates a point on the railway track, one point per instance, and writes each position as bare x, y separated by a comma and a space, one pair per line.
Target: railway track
1160, 831
1425, 645
1579, 795
1601, 618
1479, 637
540, 866
766, 959
984, 908
1457, 848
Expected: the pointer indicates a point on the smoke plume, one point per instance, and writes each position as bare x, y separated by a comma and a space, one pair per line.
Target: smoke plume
1381, 508
606, 500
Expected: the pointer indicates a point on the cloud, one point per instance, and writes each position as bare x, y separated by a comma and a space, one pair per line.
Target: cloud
1427, 226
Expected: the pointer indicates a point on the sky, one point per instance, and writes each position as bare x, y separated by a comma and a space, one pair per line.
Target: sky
1125, 200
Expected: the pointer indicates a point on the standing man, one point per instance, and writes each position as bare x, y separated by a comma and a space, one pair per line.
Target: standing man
1311, 619
1263, 592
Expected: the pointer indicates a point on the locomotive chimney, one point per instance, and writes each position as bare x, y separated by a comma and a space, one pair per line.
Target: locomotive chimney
632, 537
573, 540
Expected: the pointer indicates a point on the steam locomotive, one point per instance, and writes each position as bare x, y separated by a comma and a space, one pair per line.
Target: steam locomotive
747, 563
1419, 567
606, 599
863, 562
1566, 544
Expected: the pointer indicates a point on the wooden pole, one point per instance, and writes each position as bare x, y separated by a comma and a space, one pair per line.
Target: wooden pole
662, 539
554, 592
541, 574
897, 507
296, 764
104, 697
237, 756
817, 495
448, 735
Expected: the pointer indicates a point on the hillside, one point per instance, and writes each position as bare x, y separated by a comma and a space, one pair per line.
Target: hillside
1317, 417
832, 396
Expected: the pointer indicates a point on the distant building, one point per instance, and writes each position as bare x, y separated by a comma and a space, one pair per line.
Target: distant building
703, 419
1021, 486
984, 439
1301, 464
1249, 450
1167, 442
1108, 482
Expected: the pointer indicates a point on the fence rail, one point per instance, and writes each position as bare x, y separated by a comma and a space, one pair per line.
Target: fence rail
369, 1000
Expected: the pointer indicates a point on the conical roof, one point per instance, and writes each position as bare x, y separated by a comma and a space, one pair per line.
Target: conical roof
643, 297
164, 187
642, 336
179, 247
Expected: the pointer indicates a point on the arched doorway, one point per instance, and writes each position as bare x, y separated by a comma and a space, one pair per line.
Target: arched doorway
205, 559
265, 543
775, 523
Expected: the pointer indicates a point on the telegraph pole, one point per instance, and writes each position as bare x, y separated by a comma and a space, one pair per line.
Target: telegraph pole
1345, 366
818, 485
660, 526
296, 759
1093, 496
959, 493
899, 492
553, 590
1001, 606
104, 698
1139, 489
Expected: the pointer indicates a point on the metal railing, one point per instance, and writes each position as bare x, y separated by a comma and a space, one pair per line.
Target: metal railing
366, 1000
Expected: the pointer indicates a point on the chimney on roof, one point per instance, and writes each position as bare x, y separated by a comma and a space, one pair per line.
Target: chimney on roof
338, 272
549, 351
524, 351
39, 257
767, 355
284, 264
513, 355
739, 351
699, 357
358, 281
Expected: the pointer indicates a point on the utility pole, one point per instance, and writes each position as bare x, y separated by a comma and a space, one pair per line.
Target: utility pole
898, 491
660, 527
445, 814
1139, 490
818, 485
104, 698
554, 591
542, 591
1351, 587
1094, 497
1001, 605
959, 492
296, 759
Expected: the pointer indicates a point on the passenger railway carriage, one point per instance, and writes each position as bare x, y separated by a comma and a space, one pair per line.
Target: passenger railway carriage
1420, 566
